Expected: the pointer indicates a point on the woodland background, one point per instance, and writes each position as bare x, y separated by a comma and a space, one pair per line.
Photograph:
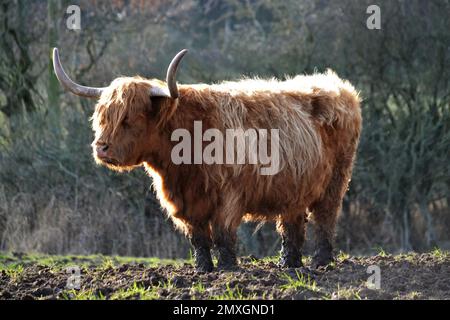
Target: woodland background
54, 199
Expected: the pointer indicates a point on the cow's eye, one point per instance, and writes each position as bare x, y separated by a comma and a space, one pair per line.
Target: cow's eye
125, 122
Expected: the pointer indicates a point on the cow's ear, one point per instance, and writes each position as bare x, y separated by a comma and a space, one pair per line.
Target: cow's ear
155, 105
162, 107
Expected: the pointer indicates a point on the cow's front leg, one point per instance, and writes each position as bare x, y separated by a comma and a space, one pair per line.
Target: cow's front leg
224, 243
292, 235
201, 241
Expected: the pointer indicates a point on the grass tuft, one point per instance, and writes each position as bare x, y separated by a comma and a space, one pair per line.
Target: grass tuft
299, 282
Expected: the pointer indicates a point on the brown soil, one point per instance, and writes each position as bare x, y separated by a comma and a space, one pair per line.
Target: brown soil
411, 276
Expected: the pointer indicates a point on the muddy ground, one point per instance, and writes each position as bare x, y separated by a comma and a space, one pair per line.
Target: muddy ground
406, 276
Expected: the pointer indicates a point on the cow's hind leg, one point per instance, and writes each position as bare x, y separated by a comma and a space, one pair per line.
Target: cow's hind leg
200, 238
224, 224
224, 239
325, 211
292, 231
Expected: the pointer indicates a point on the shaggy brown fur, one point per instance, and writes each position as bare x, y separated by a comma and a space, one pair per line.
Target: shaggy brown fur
319, 120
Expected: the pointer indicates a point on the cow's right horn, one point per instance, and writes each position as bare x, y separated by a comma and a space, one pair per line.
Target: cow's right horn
171, 79
66, 82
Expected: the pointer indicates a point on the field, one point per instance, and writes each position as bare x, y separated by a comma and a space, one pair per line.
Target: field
404, 276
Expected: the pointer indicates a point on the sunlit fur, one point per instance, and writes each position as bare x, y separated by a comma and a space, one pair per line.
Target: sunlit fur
319, 121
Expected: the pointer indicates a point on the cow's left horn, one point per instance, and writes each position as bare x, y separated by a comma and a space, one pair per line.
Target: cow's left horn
171, 80
172, 73
79, 90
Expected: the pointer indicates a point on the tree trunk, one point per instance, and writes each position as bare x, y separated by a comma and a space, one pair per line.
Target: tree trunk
53, 7
406, 239
430, 233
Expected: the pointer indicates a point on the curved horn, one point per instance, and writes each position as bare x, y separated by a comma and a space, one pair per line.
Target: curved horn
159, 92
172, 73
66, 82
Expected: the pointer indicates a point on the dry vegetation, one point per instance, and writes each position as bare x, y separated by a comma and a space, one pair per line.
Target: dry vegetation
54, 199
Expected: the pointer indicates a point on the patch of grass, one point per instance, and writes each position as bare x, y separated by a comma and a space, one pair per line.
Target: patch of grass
167, 285
235, 293
413, 295
108, 263
82, 295
4, 256
137, 292
8, 260
381, 252
300, 281
198, 288
409, 257
134, 292
14, 272
342, 256
439, 253
151, 262
346, 294
331, 265
307, 260
327, 296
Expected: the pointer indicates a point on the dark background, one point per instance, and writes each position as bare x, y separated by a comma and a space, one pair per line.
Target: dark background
54, 199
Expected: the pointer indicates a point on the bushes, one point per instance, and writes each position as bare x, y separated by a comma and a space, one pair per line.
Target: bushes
54, 199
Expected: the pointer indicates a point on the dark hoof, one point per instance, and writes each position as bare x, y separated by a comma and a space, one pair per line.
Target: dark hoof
320, 261
230, 266
206, 267
289, 262
203, 261
226, 259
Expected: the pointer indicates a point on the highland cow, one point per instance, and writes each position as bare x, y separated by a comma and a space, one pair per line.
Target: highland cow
319, 122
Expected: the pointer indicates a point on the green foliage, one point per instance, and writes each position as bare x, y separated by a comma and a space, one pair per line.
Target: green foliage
137, 292
344, 294
299, 281
82, 295
439, 253
198, 288
342, 256
381, 252
59, 262
235, 293
14, 271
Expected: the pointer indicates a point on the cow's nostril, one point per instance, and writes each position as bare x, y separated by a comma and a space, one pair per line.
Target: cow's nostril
102, 147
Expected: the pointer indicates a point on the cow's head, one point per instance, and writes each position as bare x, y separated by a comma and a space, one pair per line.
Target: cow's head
125, 118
